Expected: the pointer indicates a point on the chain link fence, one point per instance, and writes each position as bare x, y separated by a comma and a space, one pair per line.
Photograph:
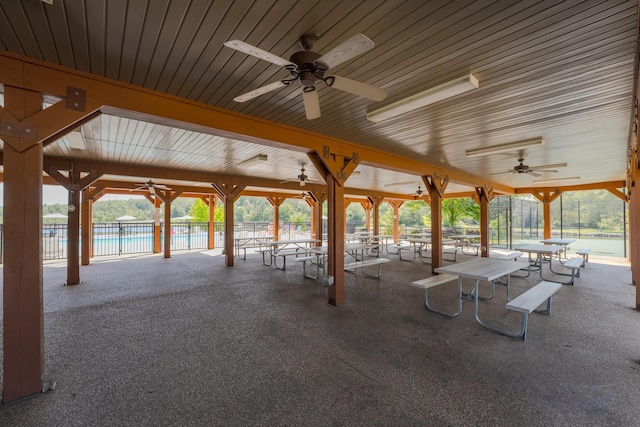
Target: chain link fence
601, 225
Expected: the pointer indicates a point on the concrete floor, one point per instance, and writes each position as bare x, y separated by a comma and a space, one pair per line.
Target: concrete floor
186, 341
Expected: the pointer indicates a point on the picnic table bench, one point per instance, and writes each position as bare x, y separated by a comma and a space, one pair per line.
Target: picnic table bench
438, 280
528, 302
584, 252
353, 266
574, 265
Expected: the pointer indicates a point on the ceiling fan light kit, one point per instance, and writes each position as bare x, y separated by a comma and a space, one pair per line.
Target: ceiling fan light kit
503, 148
308, 67
254, 160
429, 96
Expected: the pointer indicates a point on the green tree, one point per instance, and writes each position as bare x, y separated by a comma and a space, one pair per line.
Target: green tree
455, 210
412, 213
199, 211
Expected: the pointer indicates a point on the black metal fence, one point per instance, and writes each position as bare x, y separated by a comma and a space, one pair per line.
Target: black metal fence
601, 225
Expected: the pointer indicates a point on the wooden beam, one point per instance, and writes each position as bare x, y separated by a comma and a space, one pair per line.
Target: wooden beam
131, 101
581, 187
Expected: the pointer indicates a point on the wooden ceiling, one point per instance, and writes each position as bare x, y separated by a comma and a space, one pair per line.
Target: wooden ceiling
560, 70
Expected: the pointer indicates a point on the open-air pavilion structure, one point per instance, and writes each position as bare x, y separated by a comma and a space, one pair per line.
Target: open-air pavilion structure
102, 96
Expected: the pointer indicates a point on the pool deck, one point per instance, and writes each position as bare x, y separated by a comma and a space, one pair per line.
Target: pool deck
187, 341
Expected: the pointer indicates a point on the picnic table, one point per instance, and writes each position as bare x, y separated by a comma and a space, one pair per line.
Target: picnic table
284, 248
463, 241
351, 249
481, 269
559, 242
252, 242
541, 251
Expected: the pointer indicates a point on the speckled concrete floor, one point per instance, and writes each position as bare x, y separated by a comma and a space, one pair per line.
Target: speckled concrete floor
187, 341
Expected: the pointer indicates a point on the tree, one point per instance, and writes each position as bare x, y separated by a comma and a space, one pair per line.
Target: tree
199, 211
455, 210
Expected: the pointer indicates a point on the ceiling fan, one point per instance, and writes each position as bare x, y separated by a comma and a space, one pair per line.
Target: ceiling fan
302, 178
532, 170
151, 186
309, 67
418, 193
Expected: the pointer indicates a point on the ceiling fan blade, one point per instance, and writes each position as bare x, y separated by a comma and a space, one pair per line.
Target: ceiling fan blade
259, 91
357, 88
557, 165
500, 173
311, 103
258, 53
152, 190
545, 170
534, 173
350, 48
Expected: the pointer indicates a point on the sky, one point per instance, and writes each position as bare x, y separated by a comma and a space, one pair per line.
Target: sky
53, 194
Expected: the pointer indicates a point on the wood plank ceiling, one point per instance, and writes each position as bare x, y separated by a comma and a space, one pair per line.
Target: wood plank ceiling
561, 70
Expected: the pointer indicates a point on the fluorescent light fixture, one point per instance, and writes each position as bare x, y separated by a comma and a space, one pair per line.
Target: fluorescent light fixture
254, 160
512, 146
398, 184
542, 181
76, 140
429, 96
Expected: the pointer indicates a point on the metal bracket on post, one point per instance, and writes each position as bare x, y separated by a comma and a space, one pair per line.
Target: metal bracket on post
18, 129
76, 98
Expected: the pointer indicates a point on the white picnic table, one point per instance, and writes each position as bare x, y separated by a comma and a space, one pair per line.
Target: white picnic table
350, 249
481, 269
276, 247
541, 250
250, 242
560, 242
463, 240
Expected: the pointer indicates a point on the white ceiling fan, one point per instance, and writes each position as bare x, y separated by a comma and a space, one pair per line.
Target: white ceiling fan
151, 186
309, 67
521, 168
302, 178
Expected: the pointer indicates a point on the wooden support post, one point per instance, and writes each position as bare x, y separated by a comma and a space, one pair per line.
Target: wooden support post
168, 196
276, 201
484, 195
212, 202
436, 185
168, 235
229, 192
75, 185
157, 231
91, 194
336, 233
335, 168
634, 236
547, 197
315, 199
396, 204
367, 206
23, 315
73, 233
375, 202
